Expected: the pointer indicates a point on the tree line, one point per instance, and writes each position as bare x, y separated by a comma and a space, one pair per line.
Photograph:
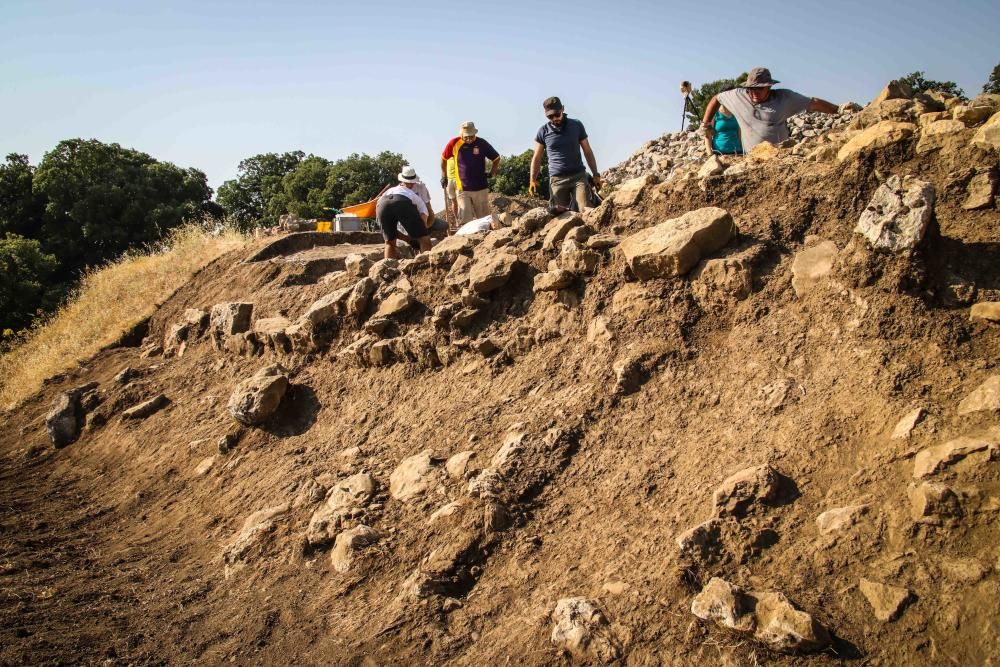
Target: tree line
87, 202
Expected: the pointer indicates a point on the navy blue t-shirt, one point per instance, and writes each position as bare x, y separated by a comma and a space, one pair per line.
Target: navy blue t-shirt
563, 146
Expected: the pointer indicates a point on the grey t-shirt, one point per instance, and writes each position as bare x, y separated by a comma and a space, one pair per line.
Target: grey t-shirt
764, 121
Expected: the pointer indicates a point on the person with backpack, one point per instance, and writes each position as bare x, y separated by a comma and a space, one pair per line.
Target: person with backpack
563, 138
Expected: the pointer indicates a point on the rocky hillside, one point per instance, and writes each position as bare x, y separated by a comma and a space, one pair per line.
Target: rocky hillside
732, 416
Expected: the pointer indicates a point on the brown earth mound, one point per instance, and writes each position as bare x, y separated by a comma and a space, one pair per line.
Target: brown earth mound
512, 449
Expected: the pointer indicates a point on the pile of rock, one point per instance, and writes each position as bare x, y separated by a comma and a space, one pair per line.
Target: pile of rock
666, 155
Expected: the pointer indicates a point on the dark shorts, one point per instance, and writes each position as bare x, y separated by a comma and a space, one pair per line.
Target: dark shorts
399, 210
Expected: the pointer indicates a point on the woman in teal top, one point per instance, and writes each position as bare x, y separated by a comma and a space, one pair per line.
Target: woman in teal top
726, 140
722, 133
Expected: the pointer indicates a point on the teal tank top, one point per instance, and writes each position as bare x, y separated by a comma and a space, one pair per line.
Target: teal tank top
727, 135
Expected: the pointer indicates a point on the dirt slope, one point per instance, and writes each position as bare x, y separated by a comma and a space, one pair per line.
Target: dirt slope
627, 404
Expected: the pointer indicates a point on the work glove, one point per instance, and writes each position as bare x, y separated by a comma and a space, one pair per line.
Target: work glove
533, 189
444, 181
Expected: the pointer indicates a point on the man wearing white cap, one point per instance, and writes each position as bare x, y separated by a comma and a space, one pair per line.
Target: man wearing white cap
471, 154
402, 206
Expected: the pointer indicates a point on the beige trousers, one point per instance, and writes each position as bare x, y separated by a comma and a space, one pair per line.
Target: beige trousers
472, 205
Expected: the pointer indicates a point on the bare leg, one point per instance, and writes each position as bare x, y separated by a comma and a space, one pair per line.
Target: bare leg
391, 251
425, 243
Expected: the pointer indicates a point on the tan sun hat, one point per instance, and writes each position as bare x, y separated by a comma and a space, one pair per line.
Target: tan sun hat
759, 77
468, 127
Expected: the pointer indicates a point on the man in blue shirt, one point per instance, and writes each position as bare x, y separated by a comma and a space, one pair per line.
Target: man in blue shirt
563, 138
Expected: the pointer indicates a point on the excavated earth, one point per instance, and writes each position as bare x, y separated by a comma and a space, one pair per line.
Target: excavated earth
621, 404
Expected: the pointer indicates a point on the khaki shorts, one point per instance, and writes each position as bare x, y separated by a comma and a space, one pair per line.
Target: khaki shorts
472, 205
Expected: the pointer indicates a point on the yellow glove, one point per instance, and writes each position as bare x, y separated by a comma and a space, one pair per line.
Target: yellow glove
533, 189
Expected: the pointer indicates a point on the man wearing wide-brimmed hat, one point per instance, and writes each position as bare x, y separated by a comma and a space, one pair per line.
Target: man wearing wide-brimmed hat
761, 110
471, 156
401, 205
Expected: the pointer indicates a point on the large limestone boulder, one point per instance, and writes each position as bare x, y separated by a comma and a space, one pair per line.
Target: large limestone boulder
980, 191
894, 90
557, 229
553, 280
326, 307
726, 605
812, 265
941, 134
934, 459
880, 135
394, 304
988, 100
492, 272
413, 477
630, 192
360, 296
897, 216
971, 115
988, 136
674, 247
232, 318
533, 220
582, 630
256, 398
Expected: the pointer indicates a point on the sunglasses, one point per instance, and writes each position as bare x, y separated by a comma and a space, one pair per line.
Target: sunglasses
554, 115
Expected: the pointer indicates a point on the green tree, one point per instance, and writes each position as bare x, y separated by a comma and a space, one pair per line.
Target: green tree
919, 84
26, 290
992, 84
20, 208
102, 199
359, 177
703, 95
305, 188
514, 176
256, 196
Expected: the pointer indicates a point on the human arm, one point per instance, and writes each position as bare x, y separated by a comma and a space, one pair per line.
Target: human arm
817, 105
536, 164
588, 154
706, 122
444, 171
496, 165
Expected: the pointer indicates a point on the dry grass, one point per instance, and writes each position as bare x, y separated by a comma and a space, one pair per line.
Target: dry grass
109, 301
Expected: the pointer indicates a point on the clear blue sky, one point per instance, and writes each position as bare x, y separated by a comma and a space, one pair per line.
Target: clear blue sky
206, 84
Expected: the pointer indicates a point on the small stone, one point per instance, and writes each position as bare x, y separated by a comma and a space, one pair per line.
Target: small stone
931, 502
254, 400
985, 397
582, 630
228, 319
413, 477
980, 191
357, 265
751, 486
348, 544
784, 628
713, 167
840, 519
897, 216
64, 419
146, 408
460, 465
985, 311
395, 304
887, 602
811, 265
726, 605
203, 467
256, 529
904, 427
557, 229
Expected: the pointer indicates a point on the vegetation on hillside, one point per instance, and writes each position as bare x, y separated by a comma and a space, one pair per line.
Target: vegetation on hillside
109, 301
514, 176
85, 203
919, 83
